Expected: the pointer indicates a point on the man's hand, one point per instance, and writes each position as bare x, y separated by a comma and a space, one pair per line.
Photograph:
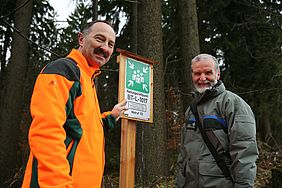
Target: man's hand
118, 109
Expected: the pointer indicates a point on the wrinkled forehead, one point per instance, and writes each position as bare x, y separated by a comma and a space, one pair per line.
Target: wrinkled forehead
203, 66
204, 62
101, 27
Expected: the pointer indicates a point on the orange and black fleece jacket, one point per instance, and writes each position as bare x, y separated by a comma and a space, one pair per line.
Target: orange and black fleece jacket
66, 137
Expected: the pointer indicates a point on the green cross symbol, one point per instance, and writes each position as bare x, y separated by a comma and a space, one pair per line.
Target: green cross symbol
137, 76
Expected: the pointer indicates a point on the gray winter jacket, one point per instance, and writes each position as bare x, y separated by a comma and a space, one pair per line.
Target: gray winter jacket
230, 124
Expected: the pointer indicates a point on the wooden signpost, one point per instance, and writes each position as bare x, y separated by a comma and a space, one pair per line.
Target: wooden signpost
136, 86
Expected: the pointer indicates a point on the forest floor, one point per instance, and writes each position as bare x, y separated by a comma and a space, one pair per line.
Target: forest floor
269, 157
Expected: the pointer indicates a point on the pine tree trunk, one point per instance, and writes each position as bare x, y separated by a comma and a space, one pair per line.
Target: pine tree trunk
266, 132
277, 177
10, 155
4, 51
153, 137
189, 44
95, 9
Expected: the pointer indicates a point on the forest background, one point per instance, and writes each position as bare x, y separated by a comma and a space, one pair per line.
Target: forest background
245, 36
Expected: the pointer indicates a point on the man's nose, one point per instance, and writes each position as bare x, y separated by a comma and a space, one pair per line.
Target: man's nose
105, 48
203, 77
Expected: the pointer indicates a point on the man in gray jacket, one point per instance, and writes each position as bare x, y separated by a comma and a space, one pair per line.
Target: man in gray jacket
229, 124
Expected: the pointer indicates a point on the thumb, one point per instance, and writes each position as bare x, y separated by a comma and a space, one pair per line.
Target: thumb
123, 102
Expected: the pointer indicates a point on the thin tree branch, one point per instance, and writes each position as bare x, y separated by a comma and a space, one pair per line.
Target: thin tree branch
15, 10
26, 38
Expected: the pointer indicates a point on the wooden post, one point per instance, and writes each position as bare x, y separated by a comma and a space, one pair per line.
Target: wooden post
128, 123
127, 153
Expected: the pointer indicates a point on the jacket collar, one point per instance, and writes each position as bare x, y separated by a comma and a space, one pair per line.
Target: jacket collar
82, 62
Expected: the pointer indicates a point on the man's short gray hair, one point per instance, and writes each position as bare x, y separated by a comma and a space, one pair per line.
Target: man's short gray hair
201, 57
87, 27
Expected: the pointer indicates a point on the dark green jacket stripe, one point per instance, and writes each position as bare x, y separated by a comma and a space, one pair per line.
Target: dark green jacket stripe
34, 175
72, 125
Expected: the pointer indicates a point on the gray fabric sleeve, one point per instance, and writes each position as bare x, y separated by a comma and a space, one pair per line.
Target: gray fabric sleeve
243, 146
181, 160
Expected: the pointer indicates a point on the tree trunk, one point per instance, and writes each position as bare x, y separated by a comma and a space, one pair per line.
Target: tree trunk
133, 32
277, 177
189, 44
95, 17
4, 51
95, 9
153, 137
14, 82
266, 133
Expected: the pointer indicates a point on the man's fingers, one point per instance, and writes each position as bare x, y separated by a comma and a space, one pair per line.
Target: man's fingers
124, 108
122, 103
119, 109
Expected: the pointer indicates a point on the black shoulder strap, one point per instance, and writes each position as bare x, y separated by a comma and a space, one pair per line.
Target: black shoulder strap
219, 161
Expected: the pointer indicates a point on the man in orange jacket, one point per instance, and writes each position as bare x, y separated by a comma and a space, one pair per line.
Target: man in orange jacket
66, 137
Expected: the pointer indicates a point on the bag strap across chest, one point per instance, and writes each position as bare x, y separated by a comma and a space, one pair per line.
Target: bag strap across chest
219, 161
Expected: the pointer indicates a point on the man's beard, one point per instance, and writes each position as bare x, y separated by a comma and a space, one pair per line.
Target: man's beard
203, 89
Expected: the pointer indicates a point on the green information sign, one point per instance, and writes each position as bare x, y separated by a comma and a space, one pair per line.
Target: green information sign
137, 89
137, 76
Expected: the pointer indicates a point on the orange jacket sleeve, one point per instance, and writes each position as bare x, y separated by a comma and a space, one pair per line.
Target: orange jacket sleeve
47, 135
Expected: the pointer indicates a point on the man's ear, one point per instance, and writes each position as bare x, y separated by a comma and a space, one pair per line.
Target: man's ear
218, 75
80, 38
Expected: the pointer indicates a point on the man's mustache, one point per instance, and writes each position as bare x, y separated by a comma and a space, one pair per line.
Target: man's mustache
100, 51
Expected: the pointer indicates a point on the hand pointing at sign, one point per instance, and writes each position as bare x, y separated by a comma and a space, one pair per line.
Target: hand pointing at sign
118, 109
